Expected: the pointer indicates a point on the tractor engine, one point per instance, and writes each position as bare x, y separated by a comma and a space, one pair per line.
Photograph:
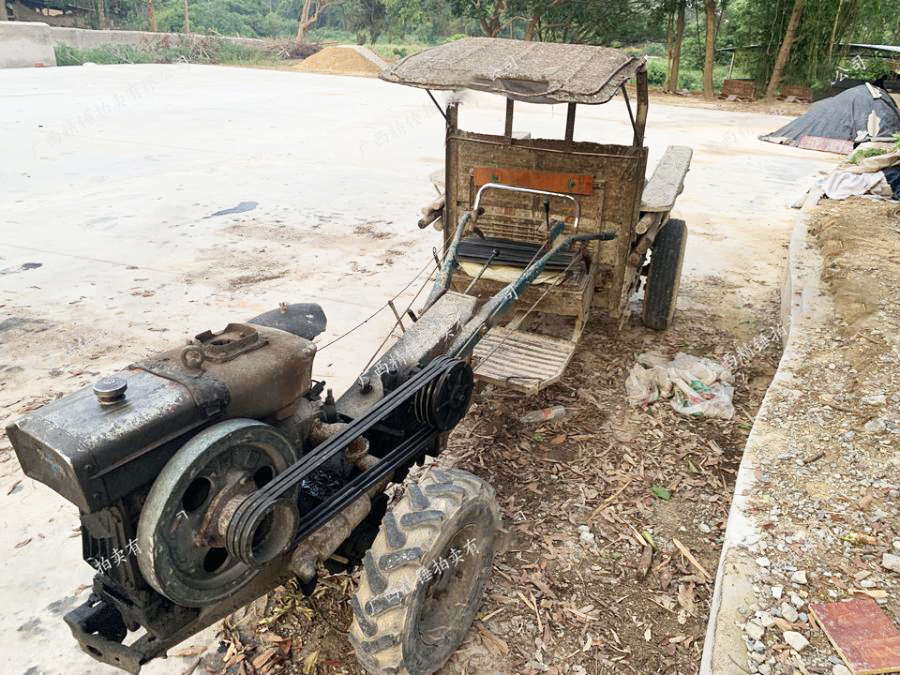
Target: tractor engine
237, 406
207, 475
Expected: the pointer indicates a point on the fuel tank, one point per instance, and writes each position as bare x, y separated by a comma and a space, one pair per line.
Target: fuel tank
101, 443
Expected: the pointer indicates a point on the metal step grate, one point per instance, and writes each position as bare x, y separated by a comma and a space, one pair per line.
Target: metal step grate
519, 360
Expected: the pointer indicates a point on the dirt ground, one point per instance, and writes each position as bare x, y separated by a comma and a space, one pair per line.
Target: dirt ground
828, 506
556, 603
695, 99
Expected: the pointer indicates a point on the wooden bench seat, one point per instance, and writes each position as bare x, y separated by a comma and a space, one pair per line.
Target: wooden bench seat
667, 180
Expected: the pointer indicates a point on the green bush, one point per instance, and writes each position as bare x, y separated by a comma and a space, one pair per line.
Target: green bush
690, 79
393, 51
656, 73
868, 69
657, 49
272, 24
330, 34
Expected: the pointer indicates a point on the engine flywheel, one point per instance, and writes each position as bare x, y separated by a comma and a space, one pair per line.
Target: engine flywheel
181, 530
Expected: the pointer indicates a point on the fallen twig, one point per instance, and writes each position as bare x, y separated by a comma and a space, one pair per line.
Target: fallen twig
687, 554
608, 500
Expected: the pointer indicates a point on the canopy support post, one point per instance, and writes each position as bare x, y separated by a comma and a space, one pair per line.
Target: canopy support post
450, 187
436, 104
510, 104
643, 103
570, 122
630, 111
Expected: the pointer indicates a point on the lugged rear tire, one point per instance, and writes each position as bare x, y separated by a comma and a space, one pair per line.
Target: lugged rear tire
664, 276
404, 622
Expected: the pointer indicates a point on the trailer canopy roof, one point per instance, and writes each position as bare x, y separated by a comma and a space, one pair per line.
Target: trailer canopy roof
535, 72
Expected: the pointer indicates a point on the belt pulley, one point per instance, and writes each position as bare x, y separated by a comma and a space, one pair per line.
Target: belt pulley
439, 395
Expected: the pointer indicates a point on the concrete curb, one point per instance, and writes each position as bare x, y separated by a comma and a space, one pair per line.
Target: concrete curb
802, 305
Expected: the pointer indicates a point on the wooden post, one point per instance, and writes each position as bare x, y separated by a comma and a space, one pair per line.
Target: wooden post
709, 60
102, 23
151, 16
570, 121
672, 81
643, 103
784, 52
450, 186
186, 27
510, 104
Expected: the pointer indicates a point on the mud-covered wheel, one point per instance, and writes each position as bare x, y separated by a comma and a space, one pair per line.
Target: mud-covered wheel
423, 577
664, 276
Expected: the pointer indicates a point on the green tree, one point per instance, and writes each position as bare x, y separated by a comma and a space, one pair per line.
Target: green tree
675, 12
490, 14
709, 60
784, 51
366, 18
310, 11
821, 30
428, 20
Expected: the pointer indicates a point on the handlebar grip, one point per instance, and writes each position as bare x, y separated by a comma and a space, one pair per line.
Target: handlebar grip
597, 236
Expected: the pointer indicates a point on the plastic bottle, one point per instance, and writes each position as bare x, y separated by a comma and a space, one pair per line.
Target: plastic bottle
544, 415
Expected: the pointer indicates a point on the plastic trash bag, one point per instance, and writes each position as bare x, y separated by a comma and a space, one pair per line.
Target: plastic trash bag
694, 385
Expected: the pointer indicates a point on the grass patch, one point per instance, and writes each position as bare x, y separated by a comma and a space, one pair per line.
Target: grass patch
203, 50
860, 155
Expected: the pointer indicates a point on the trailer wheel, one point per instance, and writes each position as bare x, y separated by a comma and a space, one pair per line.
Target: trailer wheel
664, 275
422, 580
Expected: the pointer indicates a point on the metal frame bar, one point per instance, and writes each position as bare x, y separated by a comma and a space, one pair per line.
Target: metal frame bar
495, 307
436, 104
530, 191
445, 274
630, 111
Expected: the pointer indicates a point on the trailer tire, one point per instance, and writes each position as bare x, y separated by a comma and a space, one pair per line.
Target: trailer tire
408, 621
664, 276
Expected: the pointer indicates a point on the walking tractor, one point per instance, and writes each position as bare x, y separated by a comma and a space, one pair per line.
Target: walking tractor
209, 474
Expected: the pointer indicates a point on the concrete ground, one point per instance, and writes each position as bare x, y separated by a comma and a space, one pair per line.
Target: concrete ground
109, 248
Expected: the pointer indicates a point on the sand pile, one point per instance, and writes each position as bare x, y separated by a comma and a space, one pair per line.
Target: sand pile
344, 60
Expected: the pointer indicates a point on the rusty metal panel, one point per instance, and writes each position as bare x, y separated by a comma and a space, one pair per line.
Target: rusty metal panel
552, 181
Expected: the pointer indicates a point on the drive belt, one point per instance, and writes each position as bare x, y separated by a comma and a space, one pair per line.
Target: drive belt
253, 510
